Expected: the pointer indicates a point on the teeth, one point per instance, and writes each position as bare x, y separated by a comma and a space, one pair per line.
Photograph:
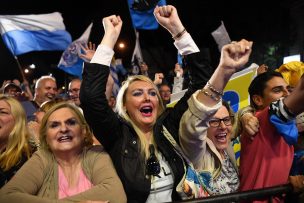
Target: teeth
64, 138
146, 109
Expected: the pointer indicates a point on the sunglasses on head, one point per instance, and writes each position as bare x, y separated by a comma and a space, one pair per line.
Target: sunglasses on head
152, 164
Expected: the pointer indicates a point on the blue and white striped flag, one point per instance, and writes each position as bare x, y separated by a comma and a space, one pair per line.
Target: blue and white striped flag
70, 61
42, 32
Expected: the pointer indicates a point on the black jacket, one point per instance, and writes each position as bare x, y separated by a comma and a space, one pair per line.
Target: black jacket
120, 139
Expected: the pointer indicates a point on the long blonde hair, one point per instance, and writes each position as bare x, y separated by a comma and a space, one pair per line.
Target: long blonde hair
88, 140
17, 144
120, 103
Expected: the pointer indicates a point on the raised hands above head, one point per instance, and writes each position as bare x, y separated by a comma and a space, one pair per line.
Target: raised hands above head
167, 17
88, 51
261, 69
158, 78
235, 55
178, 70
112, 26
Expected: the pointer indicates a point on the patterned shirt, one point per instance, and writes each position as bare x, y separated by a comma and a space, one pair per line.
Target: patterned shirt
228, 180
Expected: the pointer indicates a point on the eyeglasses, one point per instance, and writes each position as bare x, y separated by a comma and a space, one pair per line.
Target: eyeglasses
152, 164
215, 122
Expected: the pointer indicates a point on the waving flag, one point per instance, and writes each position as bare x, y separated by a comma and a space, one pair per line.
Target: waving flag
137, 57
25, 33
236, 91
142, 13
70, 61
221, 36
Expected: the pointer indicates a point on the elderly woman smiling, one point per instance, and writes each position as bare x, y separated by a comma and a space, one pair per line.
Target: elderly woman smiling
205, 128
67, 168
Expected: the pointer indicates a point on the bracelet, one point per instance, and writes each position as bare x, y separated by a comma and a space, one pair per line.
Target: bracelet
213, 89
178, 35
208, 94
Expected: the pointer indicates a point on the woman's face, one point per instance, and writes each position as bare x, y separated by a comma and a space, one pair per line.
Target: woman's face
7, 122
220, 136
142, 104
64, 132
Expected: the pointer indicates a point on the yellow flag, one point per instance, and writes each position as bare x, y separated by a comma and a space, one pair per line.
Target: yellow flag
236, 91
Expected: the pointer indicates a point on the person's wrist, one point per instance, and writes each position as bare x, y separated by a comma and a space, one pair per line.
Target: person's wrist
176, 29
179, 35
109, 41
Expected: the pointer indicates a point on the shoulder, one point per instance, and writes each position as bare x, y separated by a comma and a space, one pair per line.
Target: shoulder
42, 156
95, 152
95, 149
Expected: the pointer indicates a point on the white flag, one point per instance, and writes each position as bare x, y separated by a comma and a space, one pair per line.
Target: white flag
25, 33
70, 61
221, 36
137, 56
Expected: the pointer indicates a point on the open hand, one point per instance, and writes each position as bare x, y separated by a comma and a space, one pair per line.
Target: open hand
88, 51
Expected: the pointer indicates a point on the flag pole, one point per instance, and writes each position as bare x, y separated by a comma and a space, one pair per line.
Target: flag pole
20, 68
15, 57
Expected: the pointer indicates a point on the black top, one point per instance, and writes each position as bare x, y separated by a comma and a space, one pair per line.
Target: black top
5, 176
120, 139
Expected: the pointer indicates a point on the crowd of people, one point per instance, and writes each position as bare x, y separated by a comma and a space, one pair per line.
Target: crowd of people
103, 144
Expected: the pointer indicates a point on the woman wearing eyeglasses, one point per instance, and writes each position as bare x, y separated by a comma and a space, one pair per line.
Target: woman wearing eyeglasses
206, 127
145, 160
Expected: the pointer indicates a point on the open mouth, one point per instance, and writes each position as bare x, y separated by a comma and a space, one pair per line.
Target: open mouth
65, 138
146, 110
221, 137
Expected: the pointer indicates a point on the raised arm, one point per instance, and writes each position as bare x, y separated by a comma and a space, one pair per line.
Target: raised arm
233, 58
112, 26
294, 102
167, 17
204, 103
97, 112
199, 68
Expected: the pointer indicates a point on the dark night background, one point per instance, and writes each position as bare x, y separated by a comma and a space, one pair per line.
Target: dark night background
277, 30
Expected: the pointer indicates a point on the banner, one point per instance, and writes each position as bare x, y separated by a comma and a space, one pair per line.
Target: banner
236, 91
26, 33
70, 61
